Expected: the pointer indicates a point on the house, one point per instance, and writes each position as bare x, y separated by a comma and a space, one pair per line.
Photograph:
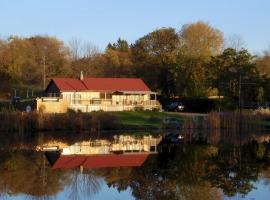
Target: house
94, 94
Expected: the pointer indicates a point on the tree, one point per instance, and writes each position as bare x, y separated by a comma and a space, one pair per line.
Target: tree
155, 56
231, 67
121, 45
263, 63
235, 42
75, 47
79, 49
200, 40
91, 66
24, 59
118, 60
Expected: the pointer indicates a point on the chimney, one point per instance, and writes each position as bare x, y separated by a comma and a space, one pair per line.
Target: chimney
81, 76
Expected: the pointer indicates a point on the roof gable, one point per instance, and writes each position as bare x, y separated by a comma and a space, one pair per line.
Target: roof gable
69, 84
105, 84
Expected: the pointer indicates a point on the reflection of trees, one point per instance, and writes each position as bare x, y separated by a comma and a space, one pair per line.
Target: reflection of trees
166, 176
192, 172
235, 174
265, 175
185, 172
178, 176
3, 195
83, 184
119, 178
28, 173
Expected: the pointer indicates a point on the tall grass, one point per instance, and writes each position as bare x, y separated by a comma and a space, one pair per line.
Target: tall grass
21, 122
229, 127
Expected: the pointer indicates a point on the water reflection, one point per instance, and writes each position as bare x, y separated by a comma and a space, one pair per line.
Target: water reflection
121, 151
79, 166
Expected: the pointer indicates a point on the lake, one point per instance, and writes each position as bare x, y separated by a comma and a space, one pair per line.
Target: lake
130, 165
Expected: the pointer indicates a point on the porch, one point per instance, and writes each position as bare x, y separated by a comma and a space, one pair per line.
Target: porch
109, 105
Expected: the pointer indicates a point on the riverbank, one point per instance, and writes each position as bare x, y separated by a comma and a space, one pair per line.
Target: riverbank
15, 121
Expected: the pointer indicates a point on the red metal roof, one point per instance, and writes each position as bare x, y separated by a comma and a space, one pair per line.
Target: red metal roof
105, 84
100, 161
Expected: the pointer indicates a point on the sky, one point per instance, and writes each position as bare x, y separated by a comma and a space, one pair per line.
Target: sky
104, 21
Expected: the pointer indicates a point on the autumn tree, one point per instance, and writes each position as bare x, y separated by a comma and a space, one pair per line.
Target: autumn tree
24, 59
121, 45
118, 60
198, 42
263, 63
86, 57
155, 56
52, 53
4, 75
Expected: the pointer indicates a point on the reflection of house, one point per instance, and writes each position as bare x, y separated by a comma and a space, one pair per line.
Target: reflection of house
120, 143
122, 151
92, 94
99, 161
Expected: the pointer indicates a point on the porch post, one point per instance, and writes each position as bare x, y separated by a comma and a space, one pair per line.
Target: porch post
123, 102
156, 98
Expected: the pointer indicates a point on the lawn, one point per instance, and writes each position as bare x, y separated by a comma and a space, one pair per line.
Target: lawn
144, 118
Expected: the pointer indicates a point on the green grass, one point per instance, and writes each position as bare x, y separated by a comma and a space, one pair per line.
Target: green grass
144, 118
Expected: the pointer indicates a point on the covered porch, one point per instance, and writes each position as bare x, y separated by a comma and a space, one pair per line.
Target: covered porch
119, 101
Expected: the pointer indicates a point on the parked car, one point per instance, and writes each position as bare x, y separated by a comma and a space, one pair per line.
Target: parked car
173, 137
15, 99
175, 107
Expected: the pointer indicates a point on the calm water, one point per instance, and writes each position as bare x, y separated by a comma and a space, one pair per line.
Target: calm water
130, 166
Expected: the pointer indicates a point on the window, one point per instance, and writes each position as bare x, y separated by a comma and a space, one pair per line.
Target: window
102, 95
76, 98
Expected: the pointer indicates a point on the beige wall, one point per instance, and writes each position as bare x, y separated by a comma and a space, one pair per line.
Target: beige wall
130, 98
49, 105
85, 97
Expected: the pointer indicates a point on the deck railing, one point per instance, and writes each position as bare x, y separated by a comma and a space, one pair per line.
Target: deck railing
111, 102
105, 106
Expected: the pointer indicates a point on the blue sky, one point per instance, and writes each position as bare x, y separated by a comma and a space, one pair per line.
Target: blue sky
103, 21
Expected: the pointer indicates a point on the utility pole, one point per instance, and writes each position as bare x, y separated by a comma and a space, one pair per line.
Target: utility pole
240, 119
44, 73
239, 93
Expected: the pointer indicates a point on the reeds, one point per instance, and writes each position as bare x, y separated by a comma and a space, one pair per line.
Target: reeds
229, 127
21, 122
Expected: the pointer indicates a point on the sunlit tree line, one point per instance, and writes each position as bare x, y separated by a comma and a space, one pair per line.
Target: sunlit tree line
194, 61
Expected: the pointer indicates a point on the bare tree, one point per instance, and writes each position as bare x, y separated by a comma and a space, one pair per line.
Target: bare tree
84, 184
89, 50
75, 45
234, 41
80, 49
